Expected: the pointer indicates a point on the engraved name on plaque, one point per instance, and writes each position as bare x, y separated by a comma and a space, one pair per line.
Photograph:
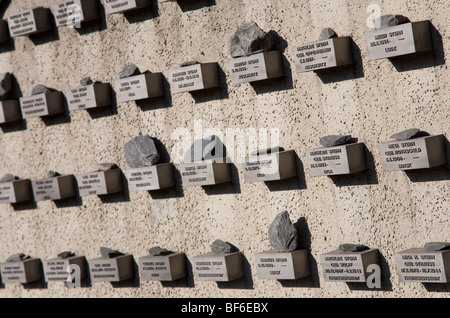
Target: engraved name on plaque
116, 6
29, 22
57, 269
142, 86
21, 272
269, 167
218, 267
162, 268
71, 12
338, 160
339, 266
40, 105
15, 191
416, 153
399, 40
282, 265
115, 269
99, 183
256, 67
208, 172
421, 265
150, 178
56, 188
194, 77
89, 96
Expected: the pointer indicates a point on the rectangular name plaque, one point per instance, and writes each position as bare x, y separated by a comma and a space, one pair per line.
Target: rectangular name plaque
218, 267
150, 178
338, 160
29, 22
143, 86
420, 265
194, 77
282, 265
22, 272
111, 269
15, 191
99, 183
40, 105
416, 153
256, 67
117, 6
57, 188
9, 111
209, 172
90, 96
162, 268
399, 40
72, 12
57, 269
341, 266
269, 167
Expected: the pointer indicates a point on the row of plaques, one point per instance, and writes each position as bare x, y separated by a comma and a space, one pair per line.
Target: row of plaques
413, 265
417, 153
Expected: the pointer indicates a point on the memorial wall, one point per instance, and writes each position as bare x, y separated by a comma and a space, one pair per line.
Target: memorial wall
224, 148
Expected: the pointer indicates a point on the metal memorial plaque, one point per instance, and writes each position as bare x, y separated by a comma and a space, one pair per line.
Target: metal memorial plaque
150, 178
197, 174
282, 265
315, 56
116, 6
93, 183
46, 189
218, 267
391, 41
261, 168
416, 153
420, 265
58, 269
15, 191
162, 268
68, 12
248, 69
341, 266
131, 88
22, 272
34, 106
22, 23
186, 79
81, 98
111, 269
7, 193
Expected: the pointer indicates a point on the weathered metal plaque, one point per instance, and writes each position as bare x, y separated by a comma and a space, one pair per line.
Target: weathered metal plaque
58, 269
282, 265
162, 268
269, 167
68, 12
34, 106
93, 183
315, 56
150, 178
81, 98
15, 191
391, 41
186, 79
22, 272
218, 267
143, 86
116, 6
7, 193
111, 269
420, 265
22, 23
204, 173
46, 189
248, 69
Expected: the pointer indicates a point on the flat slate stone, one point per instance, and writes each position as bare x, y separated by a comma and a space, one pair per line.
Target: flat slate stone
17, 258
221, 247
158, 251
207, 148
390, 20
52, 174
7, 178
5, 84
349, 247
283, 235
266, 151
334, 140
105, 166
130, 70
189, 63
327, 34
41, 89
109, 253
437, 246
249, 39
141, 151
86, 81
65, 255
406, 134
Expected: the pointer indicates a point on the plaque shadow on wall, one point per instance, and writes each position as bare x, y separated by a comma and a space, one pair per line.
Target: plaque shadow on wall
157, 102
58, 119
173, 192
187, 282
344, 73
386, 284
132, 282
366, 177
280, 83
39, 284
96, 25
311, 281
211, 94
437, 287
422, 60
143, 14
100, 112
432, 174
47, 36
231, 187
7, 46
189, 5
70, 202
245, 282
17, 125
295, 183
122, 196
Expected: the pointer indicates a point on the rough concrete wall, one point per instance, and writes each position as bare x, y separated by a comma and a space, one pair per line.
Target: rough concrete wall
390, 211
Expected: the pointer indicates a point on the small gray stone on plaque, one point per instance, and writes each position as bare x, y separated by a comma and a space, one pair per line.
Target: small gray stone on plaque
390, 20
17, 258
283, 235
249, 39
106, 166
65, 254
158, 251
5, 84
437, 246
86, 81
327, 33
349, 247
7, 178
109, 253
334, 140
141, 151
204, 149
406, 134
221, 247
129, 70
41, 89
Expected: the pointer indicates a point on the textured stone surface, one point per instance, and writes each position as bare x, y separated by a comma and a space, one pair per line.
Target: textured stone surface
221, 247
406, 134
283, 235
52, 174
130, 70
5, 84
17, 258
334, 140
106, 252
141, 151
390, 20
105, 166
41, 89
249, 39
189, 63
349, 247
86, 81
65, 255
158, 251
7, 178
327, 33
207, 148
437, 246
